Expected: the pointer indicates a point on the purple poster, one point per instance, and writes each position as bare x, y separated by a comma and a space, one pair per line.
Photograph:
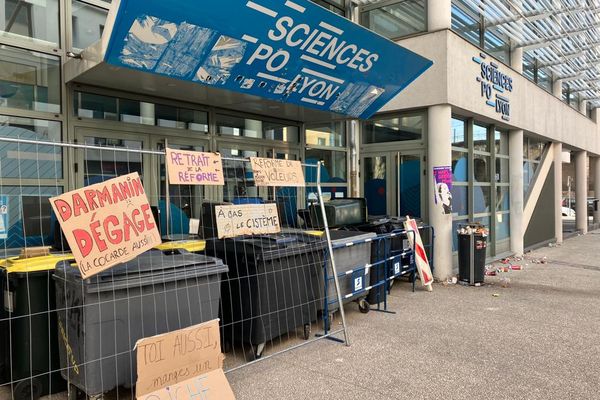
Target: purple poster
442, 180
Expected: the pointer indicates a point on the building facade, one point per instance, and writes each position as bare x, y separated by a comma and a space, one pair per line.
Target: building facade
498, 117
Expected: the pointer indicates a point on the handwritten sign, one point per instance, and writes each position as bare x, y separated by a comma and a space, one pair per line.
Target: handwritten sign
182, 364
194, 167
246, 219
107, 223
274, 172
210, 386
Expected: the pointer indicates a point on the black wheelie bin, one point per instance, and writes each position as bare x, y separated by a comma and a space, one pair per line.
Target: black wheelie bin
28, 334
101, 318
271, 288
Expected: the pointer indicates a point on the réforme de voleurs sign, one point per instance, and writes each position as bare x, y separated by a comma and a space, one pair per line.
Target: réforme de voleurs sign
290, 51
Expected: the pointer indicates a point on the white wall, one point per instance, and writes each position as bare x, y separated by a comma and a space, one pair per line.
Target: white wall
452, 80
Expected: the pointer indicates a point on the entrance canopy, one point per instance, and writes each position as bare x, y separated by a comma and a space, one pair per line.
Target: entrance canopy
290, 59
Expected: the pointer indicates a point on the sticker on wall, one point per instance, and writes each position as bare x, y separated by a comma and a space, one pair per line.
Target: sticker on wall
194, 167
442, 184
3, 217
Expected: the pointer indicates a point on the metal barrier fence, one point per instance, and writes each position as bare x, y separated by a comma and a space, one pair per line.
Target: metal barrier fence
59, 332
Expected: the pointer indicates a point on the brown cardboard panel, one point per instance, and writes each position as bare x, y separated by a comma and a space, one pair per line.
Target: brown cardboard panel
194, 167
107, 223
274, 172
246, 219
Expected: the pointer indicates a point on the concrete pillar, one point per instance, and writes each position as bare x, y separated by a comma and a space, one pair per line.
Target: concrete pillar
439, 153
515, 151
557, 88
516, 59
583, 107
581, 191
558, 228
597, 187
439, 15
596, 115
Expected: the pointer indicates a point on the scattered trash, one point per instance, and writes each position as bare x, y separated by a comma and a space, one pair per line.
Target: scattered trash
478, 284
496, 295
505, 281
516, 267
473, 229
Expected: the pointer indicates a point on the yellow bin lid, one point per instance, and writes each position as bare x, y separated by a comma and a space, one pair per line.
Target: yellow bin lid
193, 246
34, 264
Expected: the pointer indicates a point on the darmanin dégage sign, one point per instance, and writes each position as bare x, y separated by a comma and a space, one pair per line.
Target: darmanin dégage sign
291, 51
495, 86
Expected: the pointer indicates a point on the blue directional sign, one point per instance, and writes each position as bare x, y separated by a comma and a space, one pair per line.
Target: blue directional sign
291, 51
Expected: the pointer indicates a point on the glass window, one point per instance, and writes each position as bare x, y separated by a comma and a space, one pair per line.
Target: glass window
334, 164
30, 161
87, 22
460, 200
136, 112
459, 133
536, 149
497, 46
502, 232
529, 67
545, 79
502, 198
465, 22
238, 126
284, 133
395, 20
101, 165
482, 199
35, 20
481, 168
481, 138
460, 166
90, 105
29, 80
501, 142
328, 134
502, 172
239, 180
392, 129
336, 6
30, 219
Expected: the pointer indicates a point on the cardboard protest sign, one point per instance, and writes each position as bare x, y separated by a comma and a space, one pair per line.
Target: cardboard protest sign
186, 363
246, 219
107, 223
420, 256
274, 172
194, 167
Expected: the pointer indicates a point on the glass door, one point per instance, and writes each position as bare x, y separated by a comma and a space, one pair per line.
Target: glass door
122, 156
185, 201
393, 183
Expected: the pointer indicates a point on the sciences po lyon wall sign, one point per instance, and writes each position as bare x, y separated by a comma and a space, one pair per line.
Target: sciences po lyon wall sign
495, 86
291, 51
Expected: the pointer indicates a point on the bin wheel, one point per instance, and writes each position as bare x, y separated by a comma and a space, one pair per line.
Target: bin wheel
307, 330
364, 306
256, 352
30, 389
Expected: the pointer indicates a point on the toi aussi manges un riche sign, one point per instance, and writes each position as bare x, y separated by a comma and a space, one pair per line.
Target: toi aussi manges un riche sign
291, 51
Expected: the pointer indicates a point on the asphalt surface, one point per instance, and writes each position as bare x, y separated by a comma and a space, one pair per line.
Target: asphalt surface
535, 339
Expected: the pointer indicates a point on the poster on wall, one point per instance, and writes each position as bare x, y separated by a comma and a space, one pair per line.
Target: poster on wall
107, 223
3, 217
194, 167
442, 181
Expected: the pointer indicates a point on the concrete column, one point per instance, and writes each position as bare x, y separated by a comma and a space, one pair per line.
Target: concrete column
581, 191
439, 153
583, 107
516, 59
558, 228
596, 115
597, 187
557, 88
439, 15
515, 151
